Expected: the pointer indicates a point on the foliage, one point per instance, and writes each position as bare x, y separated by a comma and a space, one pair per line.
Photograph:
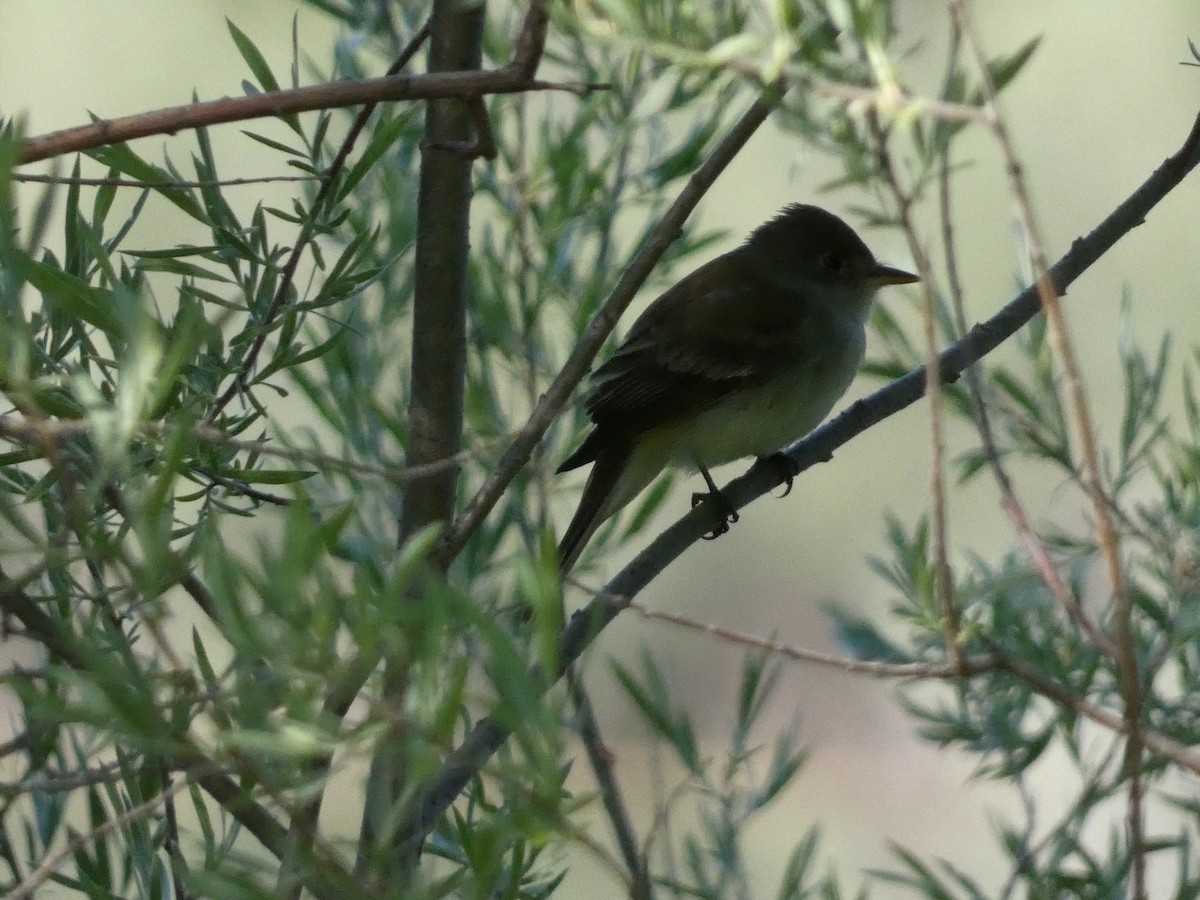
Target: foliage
153, 490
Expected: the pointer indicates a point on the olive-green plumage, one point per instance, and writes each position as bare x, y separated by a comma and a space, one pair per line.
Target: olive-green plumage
741, 358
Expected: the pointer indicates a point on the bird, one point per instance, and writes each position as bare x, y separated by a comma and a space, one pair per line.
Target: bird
742, 357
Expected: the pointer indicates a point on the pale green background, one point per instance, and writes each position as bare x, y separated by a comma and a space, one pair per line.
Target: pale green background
1103, 102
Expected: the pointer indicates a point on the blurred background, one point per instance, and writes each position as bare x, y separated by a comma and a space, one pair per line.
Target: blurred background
1103, 102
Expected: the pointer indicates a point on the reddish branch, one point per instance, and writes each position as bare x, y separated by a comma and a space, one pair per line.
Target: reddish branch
516, 77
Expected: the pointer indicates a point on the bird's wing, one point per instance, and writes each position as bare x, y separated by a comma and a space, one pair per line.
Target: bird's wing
717, 331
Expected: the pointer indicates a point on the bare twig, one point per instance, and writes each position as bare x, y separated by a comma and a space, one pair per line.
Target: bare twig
61, 782
610, 791
1038, 554
995, 661
130, 183
943, 575
432, 86
966, 666
1164, 746
576, 367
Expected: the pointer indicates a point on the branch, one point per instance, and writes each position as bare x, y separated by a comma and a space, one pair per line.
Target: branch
307, 231
437, 368
975, 665
943, 574
1128, 676
611, 797
583, 628
1009, 502
170, 182
32, 433
514, 78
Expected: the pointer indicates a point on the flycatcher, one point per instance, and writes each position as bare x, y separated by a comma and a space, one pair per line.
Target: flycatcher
741, 358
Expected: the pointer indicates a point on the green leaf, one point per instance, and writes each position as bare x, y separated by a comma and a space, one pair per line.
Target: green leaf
1005, 68
650, 696
267, 476
120, 158
70, 294
254, 59
384, 136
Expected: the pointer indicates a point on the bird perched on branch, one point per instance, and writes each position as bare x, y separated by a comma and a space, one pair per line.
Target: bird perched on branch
744, 356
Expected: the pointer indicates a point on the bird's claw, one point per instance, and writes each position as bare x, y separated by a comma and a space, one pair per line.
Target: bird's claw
721, 503
787, 468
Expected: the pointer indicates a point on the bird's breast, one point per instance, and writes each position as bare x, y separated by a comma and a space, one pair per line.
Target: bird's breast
760, 420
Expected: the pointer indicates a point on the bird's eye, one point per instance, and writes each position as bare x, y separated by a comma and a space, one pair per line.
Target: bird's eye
833, 262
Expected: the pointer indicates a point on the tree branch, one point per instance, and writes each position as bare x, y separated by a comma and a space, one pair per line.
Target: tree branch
517, 76
438, 368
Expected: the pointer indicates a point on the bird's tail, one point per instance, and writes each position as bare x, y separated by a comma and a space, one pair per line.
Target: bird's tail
595, 505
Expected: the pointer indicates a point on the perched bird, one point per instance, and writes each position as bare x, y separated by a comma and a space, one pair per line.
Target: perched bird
744, 356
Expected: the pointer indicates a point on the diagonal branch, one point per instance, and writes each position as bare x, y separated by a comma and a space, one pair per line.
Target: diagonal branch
1009, 502
583, 628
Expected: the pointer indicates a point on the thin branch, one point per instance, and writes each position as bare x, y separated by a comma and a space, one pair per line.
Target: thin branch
1164, 746
975, 665
610, 790
271, 104
171, 837
31, 432
586, 624
892, 101
577, 365
61, 782
996, 661
1128, 675
943, 575
169, 182
1012, 506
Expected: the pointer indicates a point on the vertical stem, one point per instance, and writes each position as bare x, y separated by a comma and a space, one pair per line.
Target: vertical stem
943, 575
439, 304
435, 408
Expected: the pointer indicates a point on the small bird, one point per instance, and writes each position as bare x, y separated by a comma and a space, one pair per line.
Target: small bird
744, 356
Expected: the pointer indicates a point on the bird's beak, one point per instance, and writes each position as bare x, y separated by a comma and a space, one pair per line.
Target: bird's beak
881, 275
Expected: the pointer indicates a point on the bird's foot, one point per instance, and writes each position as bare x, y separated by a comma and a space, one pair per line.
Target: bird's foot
729, 515
721, 503
787, 468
